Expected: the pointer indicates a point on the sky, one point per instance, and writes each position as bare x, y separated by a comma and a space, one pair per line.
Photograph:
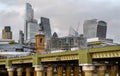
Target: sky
62, 15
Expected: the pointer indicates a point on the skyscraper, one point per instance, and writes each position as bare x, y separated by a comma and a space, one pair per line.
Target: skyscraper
28, 18
101, 29
90, 28
45, 25
31, 25
93, 28
6, 33
32, 30
29, 15
21, 37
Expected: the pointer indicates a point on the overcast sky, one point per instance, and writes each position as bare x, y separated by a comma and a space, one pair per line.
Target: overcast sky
62, 14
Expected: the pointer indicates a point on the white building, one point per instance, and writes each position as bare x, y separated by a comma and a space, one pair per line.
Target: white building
90, 28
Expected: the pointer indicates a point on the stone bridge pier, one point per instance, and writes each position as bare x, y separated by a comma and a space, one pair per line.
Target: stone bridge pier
66, 69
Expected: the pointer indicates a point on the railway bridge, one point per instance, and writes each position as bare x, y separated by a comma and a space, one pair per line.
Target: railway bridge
86, 62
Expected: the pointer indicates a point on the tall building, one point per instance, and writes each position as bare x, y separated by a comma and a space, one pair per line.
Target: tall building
55, 35
90, 28
45, 25
29, 15
21, 37
93, 28
28, 18
31, 25
32, 30
101, 29
6, 33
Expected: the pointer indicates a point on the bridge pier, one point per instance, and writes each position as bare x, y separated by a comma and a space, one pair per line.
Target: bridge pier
49, 70
101, 70
81, 71
34, 73
88, 70
19, 71
68, 70
28, 71
76, 70
59, 70
10, 71
113, 70
118, 69
39, 70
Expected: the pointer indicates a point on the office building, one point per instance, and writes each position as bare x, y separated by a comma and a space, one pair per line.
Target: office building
28, 18
31, 25
67, 43
101, 29
6, 33
29, 15
93, 28
21, 37
55, 35
45, 25
90, 28
32, 30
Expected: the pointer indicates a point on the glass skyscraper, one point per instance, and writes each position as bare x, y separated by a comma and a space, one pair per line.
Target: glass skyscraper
101, 29
93, 28
29, 12
31, 25
45, 25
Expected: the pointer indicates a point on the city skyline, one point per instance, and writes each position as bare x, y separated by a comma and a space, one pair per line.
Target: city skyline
64, 14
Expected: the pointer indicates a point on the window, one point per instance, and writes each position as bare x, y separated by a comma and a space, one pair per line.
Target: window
41, 40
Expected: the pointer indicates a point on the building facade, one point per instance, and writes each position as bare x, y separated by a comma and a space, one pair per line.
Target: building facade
21, 37
93, 28
6, 33
28, 18
31, 25
67, 43
45, 25
32, 30
90, 28
29, 15
101, 29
